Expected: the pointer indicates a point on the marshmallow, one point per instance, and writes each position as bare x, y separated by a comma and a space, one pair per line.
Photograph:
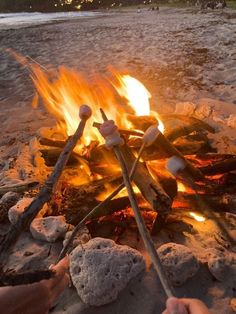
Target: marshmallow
150, 135
175, 164
109, 131
85, 112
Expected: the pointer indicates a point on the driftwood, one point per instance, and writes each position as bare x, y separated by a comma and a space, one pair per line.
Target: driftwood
51, 156
19, 187
16, 279
220, 203
44, 194
191, 125
51, 143
220, 167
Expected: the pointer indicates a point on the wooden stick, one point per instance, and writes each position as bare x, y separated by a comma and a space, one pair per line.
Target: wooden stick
46, 192
122, 131
98, 208
139, 219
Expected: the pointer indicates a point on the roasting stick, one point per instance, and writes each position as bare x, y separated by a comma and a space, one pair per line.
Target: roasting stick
113, 141
46, 192
177, 166
148, 138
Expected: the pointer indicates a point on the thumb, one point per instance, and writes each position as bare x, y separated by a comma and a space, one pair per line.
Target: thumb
175, 306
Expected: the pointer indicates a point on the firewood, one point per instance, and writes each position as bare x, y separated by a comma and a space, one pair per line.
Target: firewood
184, 126
162, 143
142, 122
47, 190
19, 187
151, 189
51, 156
220, 167
52, 143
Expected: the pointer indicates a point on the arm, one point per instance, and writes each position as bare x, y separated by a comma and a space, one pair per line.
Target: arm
35, 298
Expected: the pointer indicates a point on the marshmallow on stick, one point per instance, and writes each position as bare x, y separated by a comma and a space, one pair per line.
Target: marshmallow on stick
113, 141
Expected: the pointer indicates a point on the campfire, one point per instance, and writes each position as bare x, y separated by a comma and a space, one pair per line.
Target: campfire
177, 175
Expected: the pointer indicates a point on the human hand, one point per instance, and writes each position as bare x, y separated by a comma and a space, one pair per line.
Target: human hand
36, 298
185, 306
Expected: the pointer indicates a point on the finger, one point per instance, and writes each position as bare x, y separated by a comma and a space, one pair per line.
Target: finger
61, 268
195, 306
165, 312
175, 306
59, 288
63, 264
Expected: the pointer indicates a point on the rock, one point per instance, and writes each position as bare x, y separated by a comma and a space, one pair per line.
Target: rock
231, 121
203, 111
16, 210
49, 229
222, 265
100, 269
185, 108
178, 262
82, 237
7, 201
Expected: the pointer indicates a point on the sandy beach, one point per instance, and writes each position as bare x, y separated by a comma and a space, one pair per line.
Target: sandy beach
179, 55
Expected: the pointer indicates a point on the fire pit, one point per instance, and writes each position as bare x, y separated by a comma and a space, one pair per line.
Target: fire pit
200, 194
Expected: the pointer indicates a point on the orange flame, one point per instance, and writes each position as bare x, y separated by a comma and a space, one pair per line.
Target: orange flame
65, 90
197, 217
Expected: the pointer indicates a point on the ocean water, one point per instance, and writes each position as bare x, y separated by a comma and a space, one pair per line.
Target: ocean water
16, 20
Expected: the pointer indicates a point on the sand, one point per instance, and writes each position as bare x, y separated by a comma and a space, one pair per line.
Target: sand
180, 55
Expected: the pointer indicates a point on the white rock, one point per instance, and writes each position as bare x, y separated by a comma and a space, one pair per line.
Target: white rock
16, 210
9, 197
185, 108
203, 111
231, 121
100, 269
222, 266
49, 229
178, 262
82, 237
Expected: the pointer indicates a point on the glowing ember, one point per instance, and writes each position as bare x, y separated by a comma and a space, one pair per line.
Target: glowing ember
197, 217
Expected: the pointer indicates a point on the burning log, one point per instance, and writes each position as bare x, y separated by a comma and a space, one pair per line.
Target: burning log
163, 143
51, 156
52, 143
151, 190
220, 167
46, 192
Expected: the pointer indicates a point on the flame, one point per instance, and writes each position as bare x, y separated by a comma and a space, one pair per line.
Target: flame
109, 189
136, 94
64, 90
181, 187
197, 217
